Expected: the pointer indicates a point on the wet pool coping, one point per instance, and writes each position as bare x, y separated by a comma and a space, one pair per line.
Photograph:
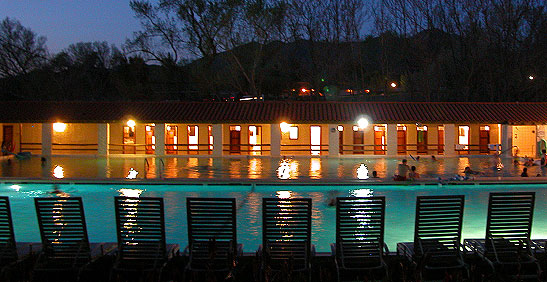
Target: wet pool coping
269, 182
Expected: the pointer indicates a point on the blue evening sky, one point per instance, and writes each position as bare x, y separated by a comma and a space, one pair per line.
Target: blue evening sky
64, 22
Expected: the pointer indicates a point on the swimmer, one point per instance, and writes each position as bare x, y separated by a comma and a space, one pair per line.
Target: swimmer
433, 158
57, 191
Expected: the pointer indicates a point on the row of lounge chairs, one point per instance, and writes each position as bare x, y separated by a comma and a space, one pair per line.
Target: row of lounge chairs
286, 238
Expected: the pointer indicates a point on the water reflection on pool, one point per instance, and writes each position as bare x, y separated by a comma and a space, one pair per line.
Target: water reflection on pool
252, 167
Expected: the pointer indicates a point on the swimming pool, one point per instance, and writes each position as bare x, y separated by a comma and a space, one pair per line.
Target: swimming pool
253, 168
98, 202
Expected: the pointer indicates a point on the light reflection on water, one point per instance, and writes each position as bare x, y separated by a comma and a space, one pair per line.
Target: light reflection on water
253, 167
400, 208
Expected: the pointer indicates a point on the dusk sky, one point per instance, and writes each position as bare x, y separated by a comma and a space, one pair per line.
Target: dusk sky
64, 22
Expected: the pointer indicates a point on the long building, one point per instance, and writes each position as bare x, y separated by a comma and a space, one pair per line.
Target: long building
334, 129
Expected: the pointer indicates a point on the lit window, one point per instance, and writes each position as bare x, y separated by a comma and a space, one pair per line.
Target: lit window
401, 127
355, 128
422, 128
235, 128
340, 128
293, 132
379, 128
485, 128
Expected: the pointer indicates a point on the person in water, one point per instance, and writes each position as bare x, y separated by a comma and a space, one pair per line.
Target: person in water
468, 171
524, 172
413, 175
402, 170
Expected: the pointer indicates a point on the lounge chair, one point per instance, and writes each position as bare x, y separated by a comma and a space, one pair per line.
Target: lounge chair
8, 248
140, 226
65, 245
212, 236
286, 238
437, 235
359, 247
507, 247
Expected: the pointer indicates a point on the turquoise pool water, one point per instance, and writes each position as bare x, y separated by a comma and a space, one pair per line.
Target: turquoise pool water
99, 207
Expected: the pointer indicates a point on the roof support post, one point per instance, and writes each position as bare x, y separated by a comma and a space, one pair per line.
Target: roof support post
506, 140
391, 139
217, 140
103, 139
47, 136
159, 133
334, 141
449, 140
275, 140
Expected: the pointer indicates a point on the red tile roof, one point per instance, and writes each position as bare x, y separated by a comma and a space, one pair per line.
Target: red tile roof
273, 112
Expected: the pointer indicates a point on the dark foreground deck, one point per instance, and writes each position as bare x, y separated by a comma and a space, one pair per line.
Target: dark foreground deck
248, 269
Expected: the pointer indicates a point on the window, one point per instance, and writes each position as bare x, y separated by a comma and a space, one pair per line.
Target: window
235, 128
293, 132
485, 128
422, 128
193, 137
340, 128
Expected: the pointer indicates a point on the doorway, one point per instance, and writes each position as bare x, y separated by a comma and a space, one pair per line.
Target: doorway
150, 139
193, 139
315, 140
440, 140
401, 139
129, 140
7, 138
255, 139
358, 139
484, 139
421, 140
171, 139
235, 139
341, 139
379, 140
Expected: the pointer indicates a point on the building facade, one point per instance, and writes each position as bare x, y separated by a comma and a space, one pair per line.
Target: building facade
333, 129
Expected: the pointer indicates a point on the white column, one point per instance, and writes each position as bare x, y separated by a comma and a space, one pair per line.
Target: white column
449, 140
217, 140
47, 135
391, 139
159, 133
334, 146
507, 140
103, 138
275, 140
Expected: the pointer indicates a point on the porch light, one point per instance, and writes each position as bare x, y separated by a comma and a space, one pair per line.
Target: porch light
131, 123
59, 127
362, 123
340, 128
284, 127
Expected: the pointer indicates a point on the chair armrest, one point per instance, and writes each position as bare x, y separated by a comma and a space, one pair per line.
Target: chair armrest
333, 249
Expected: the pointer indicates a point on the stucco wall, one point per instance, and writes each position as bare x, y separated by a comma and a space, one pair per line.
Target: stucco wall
78, 138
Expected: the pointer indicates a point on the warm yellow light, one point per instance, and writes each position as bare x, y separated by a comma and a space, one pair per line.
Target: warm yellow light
58, 172
340, 128
59, 127
284, 127
393, 84
131, 123
362, 123
531, 77
303, 90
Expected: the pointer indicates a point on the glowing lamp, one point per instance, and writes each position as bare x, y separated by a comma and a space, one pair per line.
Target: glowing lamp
59, 127
362, 123
531, 77
284, 127
303, 90
131, 123
393, 84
